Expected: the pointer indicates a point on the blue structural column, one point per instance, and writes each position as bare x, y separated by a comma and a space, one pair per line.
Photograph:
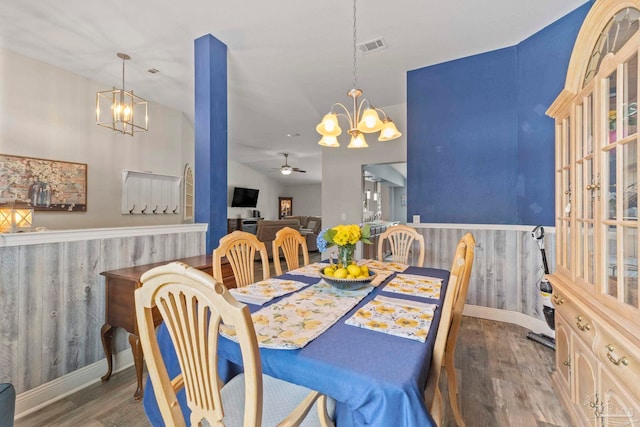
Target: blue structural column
211, 137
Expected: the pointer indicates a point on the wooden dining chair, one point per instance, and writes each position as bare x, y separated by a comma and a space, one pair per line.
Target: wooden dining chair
292, 243
462, 264
432, 394
401, 239
240, 248
193, 306
448, 329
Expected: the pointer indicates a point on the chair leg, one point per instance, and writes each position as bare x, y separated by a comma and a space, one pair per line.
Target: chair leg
325, 421
452, 385
436, 407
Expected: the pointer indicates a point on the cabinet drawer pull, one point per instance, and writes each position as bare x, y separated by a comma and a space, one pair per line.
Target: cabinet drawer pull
620, 361
558, 300
585, 327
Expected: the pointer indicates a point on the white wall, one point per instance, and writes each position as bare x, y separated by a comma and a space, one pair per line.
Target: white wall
399, 211
49, 113
239, 175
342, 174
307, 199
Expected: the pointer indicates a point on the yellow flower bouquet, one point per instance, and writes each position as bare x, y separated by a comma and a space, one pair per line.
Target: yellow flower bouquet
345, 238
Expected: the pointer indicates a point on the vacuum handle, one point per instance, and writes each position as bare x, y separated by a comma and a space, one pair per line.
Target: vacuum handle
544, 262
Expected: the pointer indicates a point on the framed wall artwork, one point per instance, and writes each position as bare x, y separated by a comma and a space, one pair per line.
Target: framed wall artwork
285, 206
47, 185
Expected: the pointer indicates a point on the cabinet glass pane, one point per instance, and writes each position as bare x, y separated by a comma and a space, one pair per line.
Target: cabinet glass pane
591, 258
588, 125
580, 132
580, 250
614, 35
611, 254
630, 102
566, 146
630, 257
566, 195
590, 196
569, 246
630, 181
612, 184
580, 196
610, 83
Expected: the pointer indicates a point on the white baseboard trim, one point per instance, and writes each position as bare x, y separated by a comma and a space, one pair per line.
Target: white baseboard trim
536, 325
45, 394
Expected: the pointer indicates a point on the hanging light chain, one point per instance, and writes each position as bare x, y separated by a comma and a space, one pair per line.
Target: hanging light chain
368, 122
355, 81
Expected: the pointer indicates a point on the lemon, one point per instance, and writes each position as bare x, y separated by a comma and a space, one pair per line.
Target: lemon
329, 271
350, 276
354, 270
362, 276
364, 270
341, 273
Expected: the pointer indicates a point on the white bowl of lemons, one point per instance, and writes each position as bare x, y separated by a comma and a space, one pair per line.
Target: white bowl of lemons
352, 277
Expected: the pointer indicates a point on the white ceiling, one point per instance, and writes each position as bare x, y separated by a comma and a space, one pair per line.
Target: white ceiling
289, 60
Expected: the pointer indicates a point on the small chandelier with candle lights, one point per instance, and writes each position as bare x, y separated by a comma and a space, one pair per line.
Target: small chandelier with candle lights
363, 119
120, 110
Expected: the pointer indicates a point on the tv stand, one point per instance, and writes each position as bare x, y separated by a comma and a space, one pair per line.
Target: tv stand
243, 224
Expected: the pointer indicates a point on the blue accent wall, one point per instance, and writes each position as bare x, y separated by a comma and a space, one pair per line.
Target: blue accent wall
480, 149
211, 137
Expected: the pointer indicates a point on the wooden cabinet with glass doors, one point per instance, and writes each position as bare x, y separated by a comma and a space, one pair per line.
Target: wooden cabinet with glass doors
595, 283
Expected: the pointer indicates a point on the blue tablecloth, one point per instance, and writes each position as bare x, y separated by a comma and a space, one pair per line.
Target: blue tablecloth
377, 379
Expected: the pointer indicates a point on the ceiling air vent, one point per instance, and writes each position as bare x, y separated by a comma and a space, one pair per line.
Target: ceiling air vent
372, 45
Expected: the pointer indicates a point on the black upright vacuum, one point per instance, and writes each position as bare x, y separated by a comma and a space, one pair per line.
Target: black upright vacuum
548, 310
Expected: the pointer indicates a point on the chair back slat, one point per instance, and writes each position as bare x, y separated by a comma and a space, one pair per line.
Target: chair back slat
193, 307
401, 240
291, 242
240, 248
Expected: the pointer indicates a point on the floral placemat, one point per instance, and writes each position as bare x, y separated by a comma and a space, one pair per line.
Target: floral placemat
410, 284
310, 270
381, 276
386, 266
264, 291
298, 319
395, 316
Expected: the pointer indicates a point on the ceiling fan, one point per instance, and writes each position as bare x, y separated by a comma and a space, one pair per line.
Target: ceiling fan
286, 169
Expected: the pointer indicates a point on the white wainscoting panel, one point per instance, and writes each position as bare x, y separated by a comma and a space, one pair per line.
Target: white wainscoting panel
52, 296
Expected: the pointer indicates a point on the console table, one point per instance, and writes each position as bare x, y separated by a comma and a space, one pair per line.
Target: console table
120, 307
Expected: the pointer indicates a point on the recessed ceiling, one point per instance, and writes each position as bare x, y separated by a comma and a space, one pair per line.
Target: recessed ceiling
288, 61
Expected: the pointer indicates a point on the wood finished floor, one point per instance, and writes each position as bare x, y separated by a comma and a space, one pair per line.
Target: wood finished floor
503, 381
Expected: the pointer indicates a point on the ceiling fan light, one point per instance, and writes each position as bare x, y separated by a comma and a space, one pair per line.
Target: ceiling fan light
389, 131
329, 141
357, 141
370, 121
286, 170
329, 125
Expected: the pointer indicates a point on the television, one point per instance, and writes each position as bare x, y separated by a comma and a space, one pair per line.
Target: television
244, 198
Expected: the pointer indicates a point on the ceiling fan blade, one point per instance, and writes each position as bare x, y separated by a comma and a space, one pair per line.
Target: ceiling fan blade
299, 170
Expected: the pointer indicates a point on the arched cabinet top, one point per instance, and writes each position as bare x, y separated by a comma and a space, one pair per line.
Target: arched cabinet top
590, 33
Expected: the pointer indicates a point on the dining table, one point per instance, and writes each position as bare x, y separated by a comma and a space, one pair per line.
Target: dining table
375, 378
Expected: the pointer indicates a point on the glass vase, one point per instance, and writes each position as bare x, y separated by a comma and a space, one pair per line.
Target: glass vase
346, 254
